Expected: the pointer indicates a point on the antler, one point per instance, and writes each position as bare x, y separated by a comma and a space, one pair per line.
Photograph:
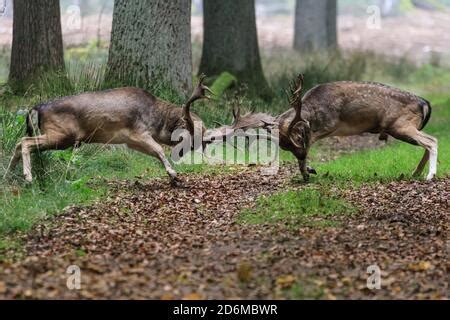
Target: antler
296, 89
236, 114
199, 93
296, 100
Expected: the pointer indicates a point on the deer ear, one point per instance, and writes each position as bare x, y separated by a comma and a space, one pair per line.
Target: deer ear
269, 125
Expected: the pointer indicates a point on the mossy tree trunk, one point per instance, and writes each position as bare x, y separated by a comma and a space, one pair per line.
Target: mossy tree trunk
37, 44
230, 43
315, 25
151, 44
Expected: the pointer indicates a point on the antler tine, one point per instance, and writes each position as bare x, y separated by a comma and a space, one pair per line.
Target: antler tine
299, 84
201, 78
199, 93
288, 96
236, 112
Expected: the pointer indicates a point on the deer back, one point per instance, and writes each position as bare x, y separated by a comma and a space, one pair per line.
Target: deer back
110, 116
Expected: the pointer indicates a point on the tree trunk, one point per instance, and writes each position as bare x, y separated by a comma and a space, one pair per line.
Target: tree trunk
230, 43
37, 41
332, 12
389, 7
315, 25
151, 44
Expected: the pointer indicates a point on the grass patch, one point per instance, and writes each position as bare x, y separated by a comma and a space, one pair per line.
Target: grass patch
304, 291
298, 208
10, 249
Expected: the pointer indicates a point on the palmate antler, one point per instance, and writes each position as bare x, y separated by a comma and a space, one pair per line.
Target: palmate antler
236, 113
296, 88
199, 93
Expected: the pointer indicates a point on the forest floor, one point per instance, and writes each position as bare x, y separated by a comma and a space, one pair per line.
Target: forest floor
147, 240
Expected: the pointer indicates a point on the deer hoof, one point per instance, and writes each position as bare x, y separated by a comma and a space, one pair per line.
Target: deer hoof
305, 176
416, 174
311, 170
177, 183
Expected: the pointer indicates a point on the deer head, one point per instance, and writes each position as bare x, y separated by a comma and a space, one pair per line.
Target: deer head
299, 131
250, 120
199, 93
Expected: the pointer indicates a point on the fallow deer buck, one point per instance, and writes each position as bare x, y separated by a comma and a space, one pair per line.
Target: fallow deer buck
130, 116
348, 108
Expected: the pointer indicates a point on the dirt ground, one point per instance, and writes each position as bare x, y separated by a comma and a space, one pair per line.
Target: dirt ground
417, 35
147, 240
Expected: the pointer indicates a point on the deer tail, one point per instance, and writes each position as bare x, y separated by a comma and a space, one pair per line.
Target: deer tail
32, 122
426, 113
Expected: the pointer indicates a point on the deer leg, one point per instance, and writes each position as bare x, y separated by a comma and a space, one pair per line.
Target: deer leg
303, 169
146, 144
422, 164
15, 159
433, 156
29, 144
311, 170
429, 143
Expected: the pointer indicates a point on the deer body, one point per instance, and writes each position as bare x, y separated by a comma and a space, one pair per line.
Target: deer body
108, 117
128, 116
348, 108
352, 108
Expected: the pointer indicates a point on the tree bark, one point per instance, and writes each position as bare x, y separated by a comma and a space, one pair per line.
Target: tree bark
151, 44
37, 41
230, 43
315, 25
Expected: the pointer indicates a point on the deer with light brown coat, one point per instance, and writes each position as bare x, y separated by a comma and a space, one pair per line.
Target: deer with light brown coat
346, 108
129, 116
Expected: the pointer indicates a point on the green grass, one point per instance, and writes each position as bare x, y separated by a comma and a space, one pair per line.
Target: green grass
302, 291
298, 208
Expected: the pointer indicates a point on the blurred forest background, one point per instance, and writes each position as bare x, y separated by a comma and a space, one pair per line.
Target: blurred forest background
414, 30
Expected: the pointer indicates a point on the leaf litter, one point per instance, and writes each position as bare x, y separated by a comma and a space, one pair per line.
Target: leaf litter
149, 241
